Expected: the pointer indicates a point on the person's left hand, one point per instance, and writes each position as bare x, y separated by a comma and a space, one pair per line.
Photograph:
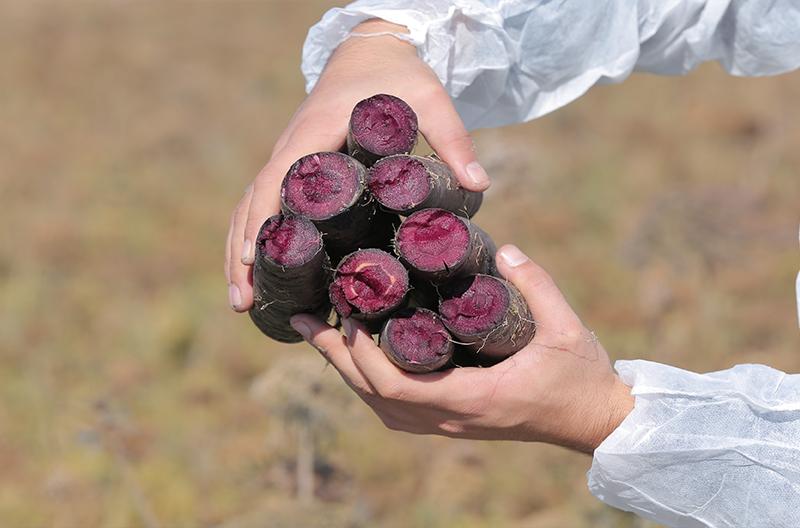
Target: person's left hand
359, 68
559, 389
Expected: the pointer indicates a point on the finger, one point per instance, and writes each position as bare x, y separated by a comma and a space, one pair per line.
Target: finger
240, 290
547, 303
389, 381
227, 265
445, 133
265, 202
369, 359
330, 343
266, 190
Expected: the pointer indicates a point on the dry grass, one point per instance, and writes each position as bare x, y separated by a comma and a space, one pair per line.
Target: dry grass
667, 209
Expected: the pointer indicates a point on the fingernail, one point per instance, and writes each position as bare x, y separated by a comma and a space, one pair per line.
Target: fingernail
512, 256
234, 296
347, 324
246, 252
477, 175
301, 328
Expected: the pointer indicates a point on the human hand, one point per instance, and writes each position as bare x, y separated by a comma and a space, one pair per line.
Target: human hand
559, 389
360, 67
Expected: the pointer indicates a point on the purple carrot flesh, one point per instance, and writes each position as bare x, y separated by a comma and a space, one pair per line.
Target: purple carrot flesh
439, 245
380, 126
369, 285
329, 189
291, 275
416, 341
487, 315
404, 183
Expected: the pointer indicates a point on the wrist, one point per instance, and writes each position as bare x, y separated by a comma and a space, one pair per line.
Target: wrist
619, 406
597, 418
371, 51
377, 25
587, 421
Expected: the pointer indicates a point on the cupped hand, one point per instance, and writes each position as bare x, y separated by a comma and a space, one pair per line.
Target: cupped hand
360, 67
559, 389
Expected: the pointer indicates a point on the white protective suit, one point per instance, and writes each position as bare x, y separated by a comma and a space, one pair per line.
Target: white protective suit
720, 449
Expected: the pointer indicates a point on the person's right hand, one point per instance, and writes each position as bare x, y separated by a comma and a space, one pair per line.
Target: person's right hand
558, 389
359, 68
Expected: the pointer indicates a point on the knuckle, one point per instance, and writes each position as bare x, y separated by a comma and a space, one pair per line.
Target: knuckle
279, 145
392, 392
326, 342
362, 390
238, 221
237, 271
457, 139
252, 226
572, 336
568, 339
241, 205
322, 349
268, 174
237, 214
255, 219
481, 401
536, 279
432, 95
308, 125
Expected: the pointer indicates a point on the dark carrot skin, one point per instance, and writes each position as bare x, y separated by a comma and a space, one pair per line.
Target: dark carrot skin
404, 184
487, 316
291, 275
329, 188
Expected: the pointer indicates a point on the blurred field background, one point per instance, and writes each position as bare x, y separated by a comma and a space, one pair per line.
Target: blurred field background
132, 396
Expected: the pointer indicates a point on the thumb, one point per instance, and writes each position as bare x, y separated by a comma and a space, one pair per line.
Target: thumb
445, 133
545, 300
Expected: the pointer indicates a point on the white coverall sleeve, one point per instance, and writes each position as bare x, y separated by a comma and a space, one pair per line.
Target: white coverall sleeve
509, 61
721, 449
715, 450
